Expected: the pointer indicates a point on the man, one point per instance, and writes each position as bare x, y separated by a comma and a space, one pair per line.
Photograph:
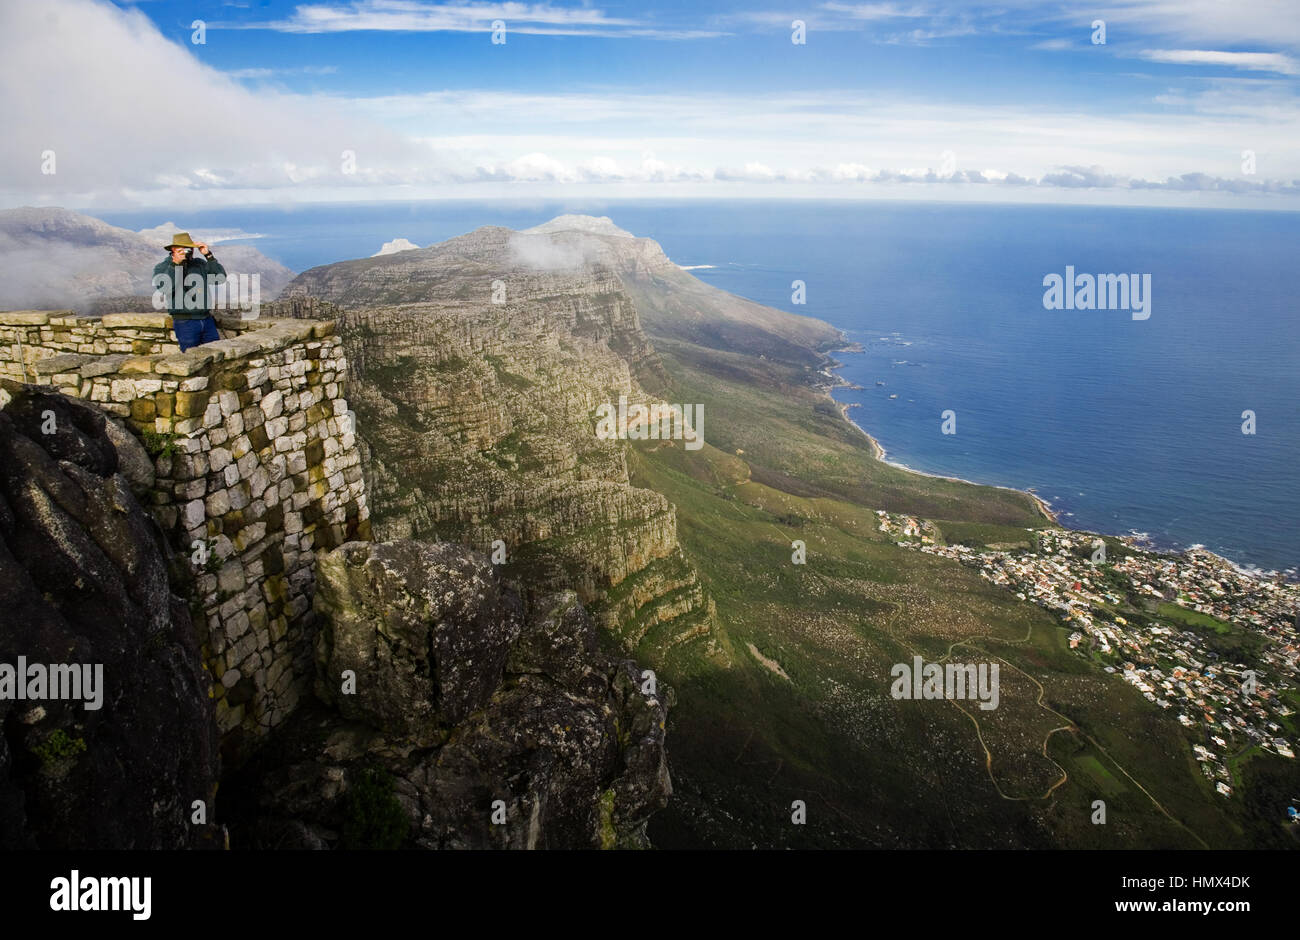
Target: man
184, 281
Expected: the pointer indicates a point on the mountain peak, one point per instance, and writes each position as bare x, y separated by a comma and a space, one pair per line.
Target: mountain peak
589, 224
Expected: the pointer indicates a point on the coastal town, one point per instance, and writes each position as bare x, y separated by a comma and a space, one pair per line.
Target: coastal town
1215, 646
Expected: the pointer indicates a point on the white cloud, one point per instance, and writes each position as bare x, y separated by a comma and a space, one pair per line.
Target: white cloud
857, 172
413, 16
125, 110
546, 254
875, 11
116, 146
161, 234
1255, 61
1270, 23
752, 171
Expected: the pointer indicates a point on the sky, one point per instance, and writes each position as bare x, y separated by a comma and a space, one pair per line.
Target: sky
185, 105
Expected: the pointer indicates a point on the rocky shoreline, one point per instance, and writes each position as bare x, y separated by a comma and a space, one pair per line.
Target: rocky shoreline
829, 367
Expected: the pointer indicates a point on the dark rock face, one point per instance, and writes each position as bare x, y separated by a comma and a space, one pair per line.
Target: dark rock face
423, 627
84, 578
472, 700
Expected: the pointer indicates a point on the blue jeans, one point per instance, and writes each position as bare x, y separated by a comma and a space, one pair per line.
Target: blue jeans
191, 333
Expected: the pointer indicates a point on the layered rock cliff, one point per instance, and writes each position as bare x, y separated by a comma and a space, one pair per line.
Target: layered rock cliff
478, 368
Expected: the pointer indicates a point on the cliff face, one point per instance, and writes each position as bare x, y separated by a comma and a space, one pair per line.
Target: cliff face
84, 572
478, 367
470, 719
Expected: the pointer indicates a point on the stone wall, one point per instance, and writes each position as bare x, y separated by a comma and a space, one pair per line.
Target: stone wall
29, 336
255, 466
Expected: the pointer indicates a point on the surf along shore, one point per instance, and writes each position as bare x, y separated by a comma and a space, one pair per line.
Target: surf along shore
835, 380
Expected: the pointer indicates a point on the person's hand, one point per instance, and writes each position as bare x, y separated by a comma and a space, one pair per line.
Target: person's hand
201, 246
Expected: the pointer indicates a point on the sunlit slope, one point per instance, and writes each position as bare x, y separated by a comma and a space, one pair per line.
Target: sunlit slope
805, 712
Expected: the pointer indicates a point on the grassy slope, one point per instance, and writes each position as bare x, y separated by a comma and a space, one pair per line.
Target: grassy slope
746, 742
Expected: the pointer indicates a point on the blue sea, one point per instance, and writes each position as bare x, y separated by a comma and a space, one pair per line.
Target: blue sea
1122, 425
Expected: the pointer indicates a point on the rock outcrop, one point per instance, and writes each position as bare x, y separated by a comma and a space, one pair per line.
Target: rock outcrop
472, 719
85, 579
478, 366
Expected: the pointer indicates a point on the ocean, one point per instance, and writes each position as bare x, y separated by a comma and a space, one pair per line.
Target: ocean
1122, 425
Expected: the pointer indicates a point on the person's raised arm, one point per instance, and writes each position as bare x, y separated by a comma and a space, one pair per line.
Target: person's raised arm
210, 262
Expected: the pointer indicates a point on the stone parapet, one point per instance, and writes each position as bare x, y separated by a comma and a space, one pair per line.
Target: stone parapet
256, 468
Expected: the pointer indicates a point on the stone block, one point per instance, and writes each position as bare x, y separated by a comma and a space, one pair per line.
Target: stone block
236, 626
24, 318
218, 504
258, 481
232, 522
191, 404
231, 578
239, 498
154, 321
195, 513
250, 535
142, 410
187, 363
273, 404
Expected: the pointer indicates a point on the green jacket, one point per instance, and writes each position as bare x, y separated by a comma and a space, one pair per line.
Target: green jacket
186, 288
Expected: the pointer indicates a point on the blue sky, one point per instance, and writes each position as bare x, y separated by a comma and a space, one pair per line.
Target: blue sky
1187, 102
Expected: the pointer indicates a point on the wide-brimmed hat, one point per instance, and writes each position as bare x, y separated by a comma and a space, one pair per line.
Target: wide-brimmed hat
181, 240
